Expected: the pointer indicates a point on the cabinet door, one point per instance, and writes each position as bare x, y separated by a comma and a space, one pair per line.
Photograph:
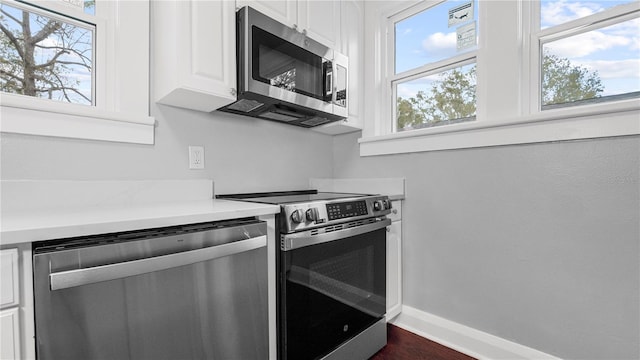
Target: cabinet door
284, 11
8, 278
353, 46
394, 269
213, 34
195, 58
351, 43
10, 330
321, 20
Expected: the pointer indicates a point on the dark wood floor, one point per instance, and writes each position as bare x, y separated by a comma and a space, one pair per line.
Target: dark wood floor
405, 345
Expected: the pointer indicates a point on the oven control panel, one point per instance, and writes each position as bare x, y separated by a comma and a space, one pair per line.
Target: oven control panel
346, 210
313, 214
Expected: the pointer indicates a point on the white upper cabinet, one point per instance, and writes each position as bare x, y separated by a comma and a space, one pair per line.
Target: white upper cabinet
284, 11
352, 45
194, 48
320, 20
194, 53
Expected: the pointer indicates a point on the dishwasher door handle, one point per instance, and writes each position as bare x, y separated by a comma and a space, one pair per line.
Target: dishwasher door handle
79, 277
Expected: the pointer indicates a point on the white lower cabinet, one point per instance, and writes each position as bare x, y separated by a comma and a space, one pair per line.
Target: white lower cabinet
16, 303
394, 262
10, 334
9, 301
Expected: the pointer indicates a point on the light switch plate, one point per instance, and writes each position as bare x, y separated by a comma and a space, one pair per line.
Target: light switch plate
196, 157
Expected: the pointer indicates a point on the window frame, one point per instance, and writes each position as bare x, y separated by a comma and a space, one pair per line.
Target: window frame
540, 37
120, 110
393, 79
505, 115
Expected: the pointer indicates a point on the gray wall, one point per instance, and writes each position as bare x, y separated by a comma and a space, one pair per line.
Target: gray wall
241, 154
538, 244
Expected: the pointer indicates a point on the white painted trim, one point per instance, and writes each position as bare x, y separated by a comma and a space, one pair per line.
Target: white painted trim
506, 114
463, 338
57, 107
118, 128
121, 96
535, 130
27, 309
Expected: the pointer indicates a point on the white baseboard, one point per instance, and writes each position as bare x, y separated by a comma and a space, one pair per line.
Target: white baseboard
462, 338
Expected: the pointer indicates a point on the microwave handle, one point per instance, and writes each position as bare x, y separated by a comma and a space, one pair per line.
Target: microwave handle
328, 82
72, 278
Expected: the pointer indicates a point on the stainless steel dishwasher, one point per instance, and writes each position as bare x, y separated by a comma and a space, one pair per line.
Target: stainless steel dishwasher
184, 292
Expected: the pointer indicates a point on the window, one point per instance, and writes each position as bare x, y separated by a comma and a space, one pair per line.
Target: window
589, 52
521, 72
46, 55
433, 80
72, 68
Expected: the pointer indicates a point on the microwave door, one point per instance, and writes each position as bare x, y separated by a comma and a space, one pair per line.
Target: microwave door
283, 70
277, 69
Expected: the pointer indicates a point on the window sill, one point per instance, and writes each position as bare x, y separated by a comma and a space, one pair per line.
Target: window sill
586, 122
30, 116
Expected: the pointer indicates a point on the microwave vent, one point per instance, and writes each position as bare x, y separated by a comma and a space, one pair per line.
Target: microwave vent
284, 113
316, 121
278, 116
245, 105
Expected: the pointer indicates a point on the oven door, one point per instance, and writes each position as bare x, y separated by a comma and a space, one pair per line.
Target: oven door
332, 287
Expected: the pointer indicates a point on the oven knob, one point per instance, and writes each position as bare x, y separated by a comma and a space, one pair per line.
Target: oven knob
312, 214
296, 216
378, 205
387, 204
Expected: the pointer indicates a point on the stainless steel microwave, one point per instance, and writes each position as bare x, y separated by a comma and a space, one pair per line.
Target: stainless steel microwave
283, 75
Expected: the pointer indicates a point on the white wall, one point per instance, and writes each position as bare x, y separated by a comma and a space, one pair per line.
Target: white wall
538, 244
241, 154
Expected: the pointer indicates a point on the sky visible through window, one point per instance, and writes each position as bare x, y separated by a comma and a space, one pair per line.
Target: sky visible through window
614, 52
426, 37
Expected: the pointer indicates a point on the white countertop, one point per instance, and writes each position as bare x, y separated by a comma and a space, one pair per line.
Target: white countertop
28, 226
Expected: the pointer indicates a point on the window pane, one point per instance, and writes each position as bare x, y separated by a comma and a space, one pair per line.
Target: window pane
599, 65
444, 98
90, 7
45, 57
426, 37
555, 12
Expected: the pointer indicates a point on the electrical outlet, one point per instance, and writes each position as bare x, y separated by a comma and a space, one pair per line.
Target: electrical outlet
196, 157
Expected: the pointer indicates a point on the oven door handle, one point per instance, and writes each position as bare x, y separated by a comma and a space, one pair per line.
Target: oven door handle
305, 238
79, 277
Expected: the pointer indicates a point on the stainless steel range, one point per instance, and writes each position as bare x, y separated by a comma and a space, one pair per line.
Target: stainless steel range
331, 289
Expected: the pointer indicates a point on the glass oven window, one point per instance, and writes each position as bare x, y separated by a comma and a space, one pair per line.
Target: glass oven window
333, 291
282, 64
